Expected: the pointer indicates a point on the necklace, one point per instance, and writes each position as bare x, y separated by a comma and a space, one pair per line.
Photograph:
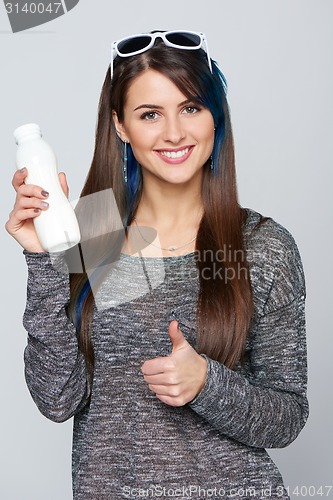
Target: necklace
170, 249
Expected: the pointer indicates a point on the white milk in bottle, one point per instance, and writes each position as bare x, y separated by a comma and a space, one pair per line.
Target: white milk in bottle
57, 227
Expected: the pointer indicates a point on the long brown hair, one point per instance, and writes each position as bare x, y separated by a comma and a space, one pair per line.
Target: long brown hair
225, 305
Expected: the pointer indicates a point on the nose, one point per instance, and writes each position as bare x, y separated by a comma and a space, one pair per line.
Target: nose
173, 130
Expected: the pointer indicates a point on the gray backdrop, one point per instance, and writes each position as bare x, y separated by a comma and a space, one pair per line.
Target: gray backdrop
277, 57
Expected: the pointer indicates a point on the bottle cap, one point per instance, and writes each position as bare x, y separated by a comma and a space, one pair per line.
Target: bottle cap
24, 131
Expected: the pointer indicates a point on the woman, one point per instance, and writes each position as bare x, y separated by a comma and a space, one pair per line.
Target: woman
181, 350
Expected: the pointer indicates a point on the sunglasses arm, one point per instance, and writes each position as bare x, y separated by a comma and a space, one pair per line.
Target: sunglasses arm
113, 55
207, 53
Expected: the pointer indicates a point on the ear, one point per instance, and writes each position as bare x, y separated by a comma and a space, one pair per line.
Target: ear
119, 127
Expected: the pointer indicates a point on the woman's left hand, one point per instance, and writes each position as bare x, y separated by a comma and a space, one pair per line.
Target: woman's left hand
178, 378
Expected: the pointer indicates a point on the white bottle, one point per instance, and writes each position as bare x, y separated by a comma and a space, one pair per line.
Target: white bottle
57, 227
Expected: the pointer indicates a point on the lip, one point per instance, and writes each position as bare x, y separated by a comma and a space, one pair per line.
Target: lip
174, 161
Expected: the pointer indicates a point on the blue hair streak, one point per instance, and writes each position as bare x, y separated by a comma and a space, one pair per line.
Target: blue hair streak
133, 177
212, 98
79, 304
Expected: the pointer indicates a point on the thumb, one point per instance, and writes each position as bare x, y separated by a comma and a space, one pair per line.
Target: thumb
177, 338
63, 183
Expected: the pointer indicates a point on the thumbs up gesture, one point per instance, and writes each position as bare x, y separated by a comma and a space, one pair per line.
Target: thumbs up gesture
178, 378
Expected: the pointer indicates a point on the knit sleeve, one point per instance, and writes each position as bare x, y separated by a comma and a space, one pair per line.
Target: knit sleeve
55, 369
264, 403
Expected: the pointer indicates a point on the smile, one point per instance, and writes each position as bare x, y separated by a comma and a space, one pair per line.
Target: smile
175, 156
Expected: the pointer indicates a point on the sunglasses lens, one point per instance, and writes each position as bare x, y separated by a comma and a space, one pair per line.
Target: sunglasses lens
132, 45
184, 39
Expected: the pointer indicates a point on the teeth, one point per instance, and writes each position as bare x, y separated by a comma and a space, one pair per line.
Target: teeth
174, 154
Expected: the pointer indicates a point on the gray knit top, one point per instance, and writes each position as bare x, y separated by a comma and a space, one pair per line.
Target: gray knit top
126, 442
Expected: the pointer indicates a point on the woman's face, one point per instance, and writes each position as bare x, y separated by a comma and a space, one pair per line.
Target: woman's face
171, 137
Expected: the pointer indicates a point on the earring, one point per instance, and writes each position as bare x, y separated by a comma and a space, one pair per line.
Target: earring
125, 162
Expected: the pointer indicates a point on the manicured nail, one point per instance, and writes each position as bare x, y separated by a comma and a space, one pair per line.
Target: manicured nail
22, 170
44, 193
36, 210
44, 204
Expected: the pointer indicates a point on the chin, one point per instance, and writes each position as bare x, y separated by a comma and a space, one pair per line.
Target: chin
180, 180
184, 177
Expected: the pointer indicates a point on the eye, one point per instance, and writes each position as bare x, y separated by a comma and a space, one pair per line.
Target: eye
191, 110
149, 116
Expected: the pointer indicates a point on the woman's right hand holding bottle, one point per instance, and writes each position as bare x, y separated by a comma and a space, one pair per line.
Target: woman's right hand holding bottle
30, 201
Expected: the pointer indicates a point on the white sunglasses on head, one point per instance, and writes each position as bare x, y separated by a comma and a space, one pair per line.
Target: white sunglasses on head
136, 44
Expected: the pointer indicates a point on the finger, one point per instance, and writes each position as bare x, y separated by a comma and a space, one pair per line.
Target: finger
32, 191
173, 391
171, 401
156, 365
63, 183
25, 214
25, 202
165, 379
19, 216
18, 178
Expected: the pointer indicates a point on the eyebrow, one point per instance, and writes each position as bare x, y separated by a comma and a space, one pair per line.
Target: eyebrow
156, 106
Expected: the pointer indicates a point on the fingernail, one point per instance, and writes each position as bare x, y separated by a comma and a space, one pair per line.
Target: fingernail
36, 210
44, 204
44, 193
22, 170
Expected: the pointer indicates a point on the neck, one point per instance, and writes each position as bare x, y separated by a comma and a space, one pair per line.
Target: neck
169, 204
169, 216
